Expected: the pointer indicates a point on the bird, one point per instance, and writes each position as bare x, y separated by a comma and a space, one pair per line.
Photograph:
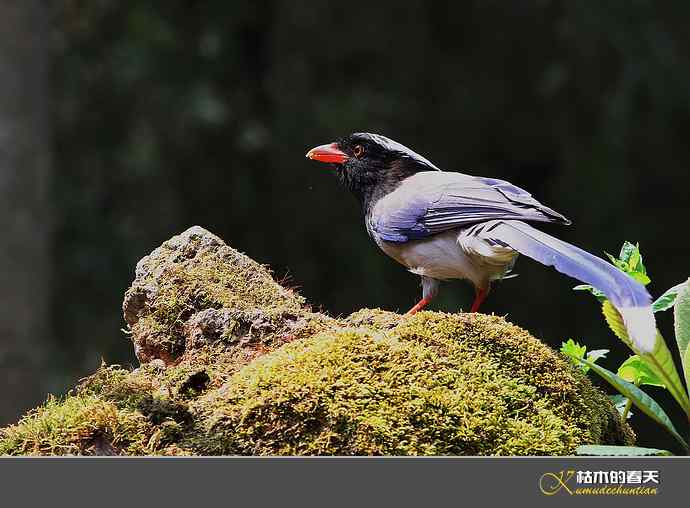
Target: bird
444, 225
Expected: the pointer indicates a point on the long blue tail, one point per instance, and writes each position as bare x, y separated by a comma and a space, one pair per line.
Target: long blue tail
629, 296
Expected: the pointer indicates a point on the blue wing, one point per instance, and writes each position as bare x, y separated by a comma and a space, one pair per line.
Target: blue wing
431, 202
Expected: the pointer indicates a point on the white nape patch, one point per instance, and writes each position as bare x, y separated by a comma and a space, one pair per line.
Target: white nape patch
641, 327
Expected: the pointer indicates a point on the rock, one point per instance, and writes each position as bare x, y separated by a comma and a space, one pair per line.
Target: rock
234, 363
194, 290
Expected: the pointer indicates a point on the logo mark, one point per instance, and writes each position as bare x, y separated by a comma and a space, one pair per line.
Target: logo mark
553, 483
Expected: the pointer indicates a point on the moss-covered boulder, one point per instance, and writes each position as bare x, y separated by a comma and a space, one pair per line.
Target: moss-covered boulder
194, 290
234, 363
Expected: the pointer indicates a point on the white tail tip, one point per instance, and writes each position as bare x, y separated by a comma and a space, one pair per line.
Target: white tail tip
641, 327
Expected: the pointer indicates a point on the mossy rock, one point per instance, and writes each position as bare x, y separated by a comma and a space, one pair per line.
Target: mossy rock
83, 425
435, 384
233, 363
194, 290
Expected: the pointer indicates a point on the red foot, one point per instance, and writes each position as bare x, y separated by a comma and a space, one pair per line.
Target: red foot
420, 305
478, 299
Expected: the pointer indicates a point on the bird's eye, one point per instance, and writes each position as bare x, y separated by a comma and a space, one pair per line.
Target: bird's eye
358, 150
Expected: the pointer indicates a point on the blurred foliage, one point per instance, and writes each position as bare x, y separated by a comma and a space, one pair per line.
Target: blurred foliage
185, 112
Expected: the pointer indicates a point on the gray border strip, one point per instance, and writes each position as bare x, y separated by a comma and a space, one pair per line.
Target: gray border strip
317, 481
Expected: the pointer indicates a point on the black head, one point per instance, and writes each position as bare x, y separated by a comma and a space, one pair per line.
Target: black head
370, 165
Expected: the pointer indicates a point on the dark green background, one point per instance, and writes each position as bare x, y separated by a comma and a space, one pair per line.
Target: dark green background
170, 114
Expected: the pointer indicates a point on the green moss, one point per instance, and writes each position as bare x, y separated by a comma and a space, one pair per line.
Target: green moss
432, 384
377, 319
113, 383
436, 384
528, 360
78, 425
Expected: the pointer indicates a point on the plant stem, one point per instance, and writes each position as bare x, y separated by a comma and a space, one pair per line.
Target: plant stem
626, 410
628, 405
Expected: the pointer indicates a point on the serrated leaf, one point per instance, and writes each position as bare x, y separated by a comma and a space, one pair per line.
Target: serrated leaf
634, 259
630, 262
640, 264
668, 299
659, 360
612, 258
640, 277
620, 451
630, 255
572, 348
681, 316
637, 372
628, 250
639, 398
616, 324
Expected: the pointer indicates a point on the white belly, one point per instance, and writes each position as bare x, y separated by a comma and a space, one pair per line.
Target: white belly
450, 255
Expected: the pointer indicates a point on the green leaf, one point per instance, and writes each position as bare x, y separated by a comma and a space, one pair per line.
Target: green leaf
668, 299
635, 260
620, 451
628, 250
639, 398
613, 258
615, 322
640, 277
681, 315
636, 371
572, 348
659, 360
586, 287
630, 261
631, 255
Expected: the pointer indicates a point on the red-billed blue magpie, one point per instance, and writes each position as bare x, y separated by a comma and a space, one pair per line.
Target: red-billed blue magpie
444, 225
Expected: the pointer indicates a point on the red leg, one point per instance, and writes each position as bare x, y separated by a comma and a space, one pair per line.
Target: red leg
478, 299
420, 305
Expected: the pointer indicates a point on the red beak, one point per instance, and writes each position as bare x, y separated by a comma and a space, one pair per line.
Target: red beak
327, 153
